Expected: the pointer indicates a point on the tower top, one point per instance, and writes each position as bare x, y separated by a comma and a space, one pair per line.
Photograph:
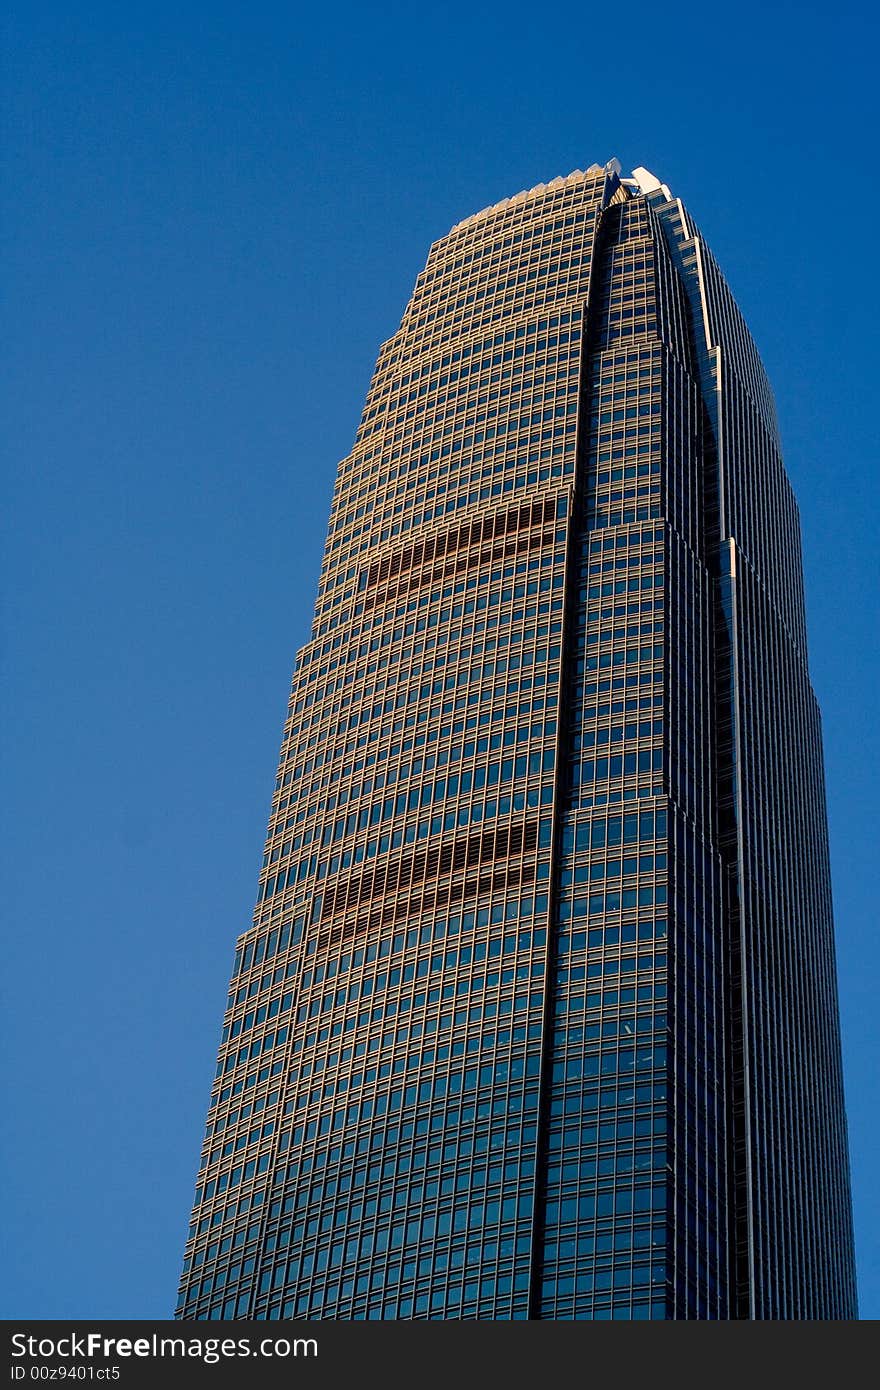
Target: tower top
641, 181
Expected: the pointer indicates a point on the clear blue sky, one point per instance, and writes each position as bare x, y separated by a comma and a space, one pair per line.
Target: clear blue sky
212, 216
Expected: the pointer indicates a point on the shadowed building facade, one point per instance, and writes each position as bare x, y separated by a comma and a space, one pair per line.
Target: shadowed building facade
537, 1017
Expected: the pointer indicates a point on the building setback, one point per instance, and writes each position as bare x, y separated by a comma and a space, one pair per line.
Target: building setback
537, 1017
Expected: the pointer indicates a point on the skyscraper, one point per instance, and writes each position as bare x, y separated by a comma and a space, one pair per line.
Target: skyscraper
537, 1017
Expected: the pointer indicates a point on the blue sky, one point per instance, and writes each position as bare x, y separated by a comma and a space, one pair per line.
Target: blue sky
211, 220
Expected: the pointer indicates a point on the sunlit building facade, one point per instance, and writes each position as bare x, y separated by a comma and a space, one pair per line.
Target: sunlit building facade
537, 1017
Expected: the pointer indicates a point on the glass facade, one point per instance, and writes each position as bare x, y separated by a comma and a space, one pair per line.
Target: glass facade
537, 1017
